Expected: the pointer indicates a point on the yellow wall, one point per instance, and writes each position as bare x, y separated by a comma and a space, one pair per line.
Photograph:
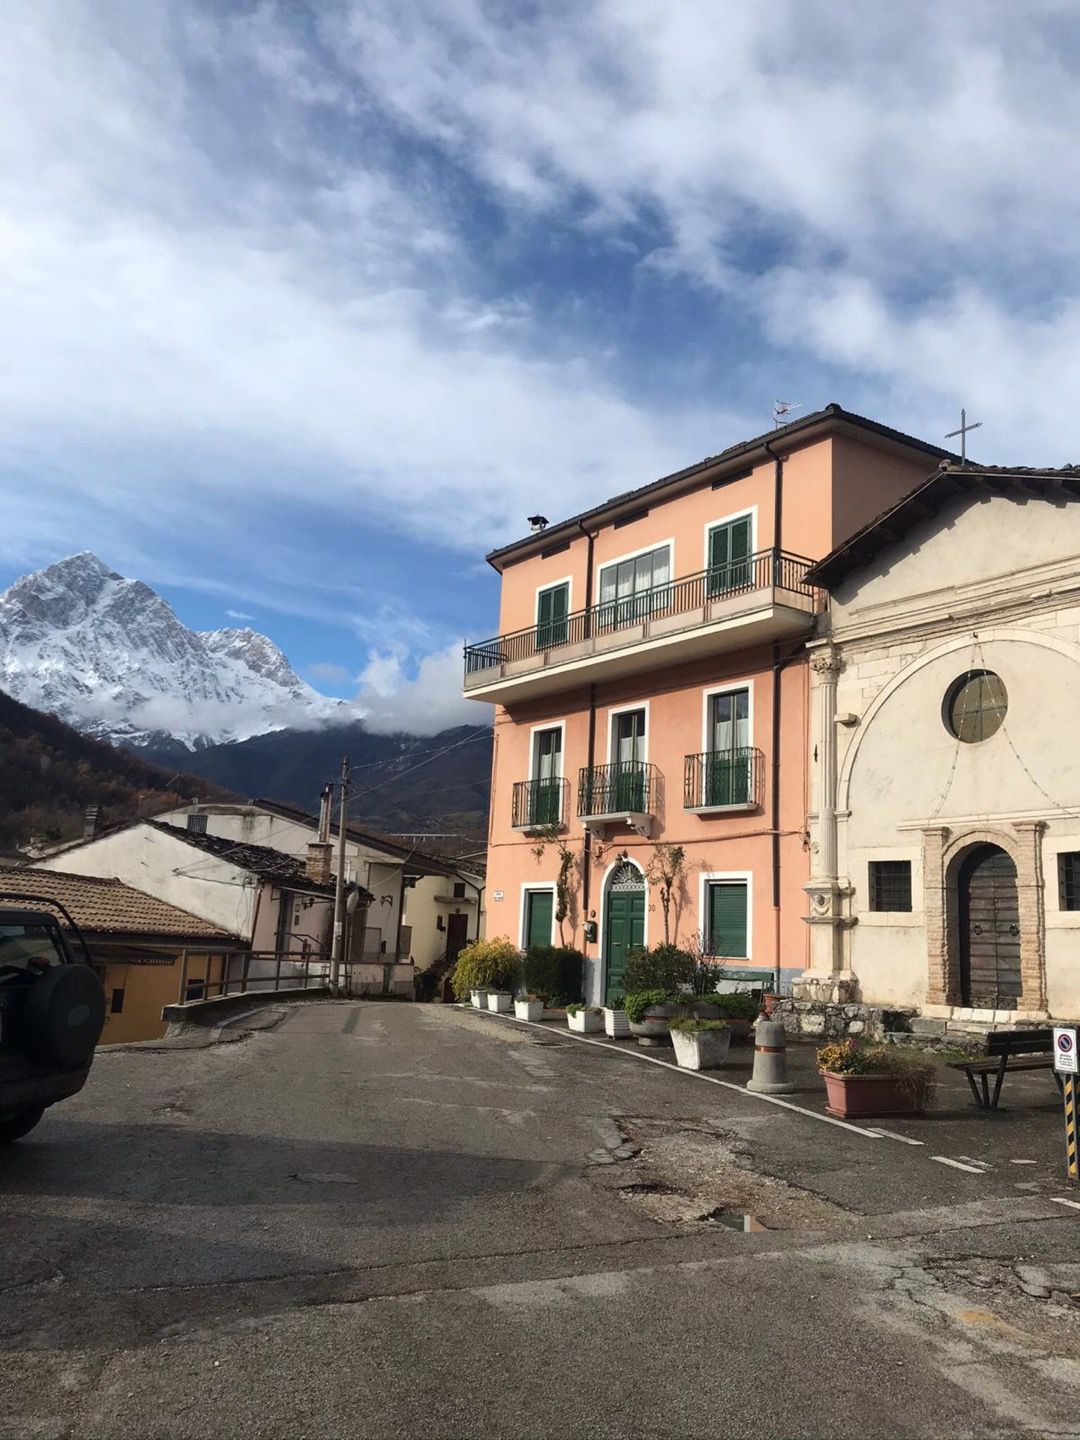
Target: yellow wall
146, 989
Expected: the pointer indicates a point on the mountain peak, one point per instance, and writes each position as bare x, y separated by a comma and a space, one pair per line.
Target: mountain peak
110, 656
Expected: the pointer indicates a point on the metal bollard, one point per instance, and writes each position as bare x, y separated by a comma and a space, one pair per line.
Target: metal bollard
770, 1075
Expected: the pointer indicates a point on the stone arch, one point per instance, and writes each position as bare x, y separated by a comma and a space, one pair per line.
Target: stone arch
1066, 648
944, 854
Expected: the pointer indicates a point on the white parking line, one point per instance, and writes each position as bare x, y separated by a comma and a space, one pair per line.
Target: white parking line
698, 1075
892, 1135
1073, 1204
958, 1165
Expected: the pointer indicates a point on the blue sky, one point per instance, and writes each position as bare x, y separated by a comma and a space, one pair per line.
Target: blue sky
306, 306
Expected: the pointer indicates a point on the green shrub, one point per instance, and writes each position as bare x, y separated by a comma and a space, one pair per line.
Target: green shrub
735, 1004
617, 1001
858, 1057
556, 972
664, 967
691, 1025
638, 1001
486, 965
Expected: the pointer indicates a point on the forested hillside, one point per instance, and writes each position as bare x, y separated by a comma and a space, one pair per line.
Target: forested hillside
49, 773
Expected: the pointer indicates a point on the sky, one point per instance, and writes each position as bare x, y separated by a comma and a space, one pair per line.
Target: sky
306, 306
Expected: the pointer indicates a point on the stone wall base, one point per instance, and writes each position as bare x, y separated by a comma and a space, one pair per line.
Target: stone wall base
824, 1020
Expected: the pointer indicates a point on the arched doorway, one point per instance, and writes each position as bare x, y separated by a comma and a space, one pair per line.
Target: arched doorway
988, 916
624, 923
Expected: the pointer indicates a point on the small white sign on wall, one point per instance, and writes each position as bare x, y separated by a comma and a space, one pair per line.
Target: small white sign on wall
498, 895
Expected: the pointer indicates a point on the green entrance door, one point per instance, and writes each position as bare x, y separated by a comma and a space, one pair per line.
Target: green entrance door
624, 925
539, 909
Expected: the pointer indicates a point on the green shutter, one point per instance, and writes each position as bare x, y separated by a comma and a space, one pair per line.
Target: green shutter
727, 919
552, 609
729, 554
540, 906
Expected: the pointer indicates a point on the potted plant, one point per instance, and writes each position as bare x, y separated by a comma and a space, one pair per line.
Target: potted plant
557, 973
499, 1001
864, 1080
616, 1020
529, 1007
739, 1008
583, 1019
483, 966
700, 1044
649, 1013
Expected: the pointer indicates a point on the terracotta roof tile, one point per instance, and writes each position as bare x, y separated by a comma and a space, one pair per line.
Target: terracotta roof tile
101, 907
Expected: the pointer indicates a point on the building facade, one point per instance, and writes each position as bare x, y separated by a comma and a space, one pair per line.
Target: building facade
651, 688
945, 821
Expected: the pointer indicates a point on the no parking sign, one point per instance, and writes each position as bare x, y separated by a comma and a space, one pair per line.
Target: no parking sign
1065, 1050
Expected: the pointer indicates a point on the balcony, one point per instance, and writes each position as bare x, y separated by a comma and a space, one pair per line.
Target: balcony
750, 602
724, 780
625, 793
539, 804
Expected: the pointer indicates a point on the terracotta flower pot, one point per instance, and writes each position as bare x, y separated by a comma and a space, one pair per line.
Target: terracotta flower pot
866, 1096
770, 1003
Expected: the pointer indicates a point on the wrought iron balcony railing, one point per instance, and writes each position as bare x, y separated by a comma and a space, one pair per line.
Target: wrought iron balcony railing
724, 779
624, 788
768, 569
539, 803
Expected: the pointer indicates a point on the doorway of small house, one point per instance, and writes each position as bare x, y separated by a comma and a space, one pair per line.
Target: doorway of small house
457, 934
988, 915
624, 924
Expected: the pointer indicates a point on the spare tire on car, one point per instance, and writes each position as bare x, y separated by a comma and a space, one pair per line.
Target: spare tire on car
63, 1016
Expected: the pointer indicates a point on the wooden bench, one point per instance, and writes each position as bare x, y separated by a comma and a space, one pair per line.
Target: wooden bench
1007, 1050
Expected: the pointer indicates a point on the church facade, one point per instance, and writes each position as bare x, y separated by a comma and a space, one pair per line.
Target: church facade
945, 754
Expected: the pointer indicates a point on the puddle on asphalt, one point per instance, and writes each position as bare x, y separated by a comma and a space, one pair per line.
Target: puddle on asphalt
746, 1224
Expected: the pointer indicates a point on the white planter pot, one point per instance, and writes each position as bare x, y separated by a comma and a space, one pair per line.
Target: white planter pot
529, 1009
499, 1001
706, 1050
584, 1022
616, 1024
479, 999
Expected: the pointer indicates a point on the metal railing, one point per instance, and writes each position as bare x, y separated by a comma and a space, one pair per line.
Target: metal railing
767, 569
721, 778
240, 972
537, 803
625, 787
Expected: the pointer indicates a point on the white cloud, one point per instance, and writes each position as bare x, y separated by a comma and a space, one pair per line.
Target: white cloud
239, 615
421, 703
328, 671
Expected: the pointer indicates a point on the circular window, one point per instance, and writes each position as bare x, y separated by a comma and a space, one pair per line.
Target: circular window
975, 705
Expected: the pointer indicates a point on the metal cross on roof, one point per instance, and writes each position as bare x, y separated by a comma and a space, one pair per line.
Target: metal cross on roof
963, 432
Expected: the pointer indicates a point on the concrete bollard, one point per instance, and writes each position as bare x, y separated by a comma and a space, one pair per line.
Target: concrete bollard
770, 1075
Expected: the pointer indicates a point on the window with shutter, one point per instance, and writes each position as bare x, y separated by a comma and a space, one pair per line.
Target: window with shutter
552, 609
727, 928
730, 548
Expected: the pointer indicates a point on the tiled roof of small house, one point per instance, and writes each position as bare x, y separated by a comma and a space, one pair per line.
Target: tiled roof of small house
261, 860
101, 906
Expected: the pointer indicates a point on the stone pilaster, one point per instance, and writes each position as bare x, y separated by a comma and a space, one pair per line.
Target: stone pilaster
941, 984
1029, 891
829, 977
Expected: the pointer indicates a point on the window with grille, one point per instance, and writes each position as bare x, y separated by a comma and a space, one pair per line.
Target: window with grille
975, 706
890, 885
197, 824
1069, 880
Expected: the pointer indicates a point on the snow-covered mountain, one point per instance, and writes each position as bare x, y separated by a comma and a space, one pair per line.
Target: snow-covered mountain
110, 657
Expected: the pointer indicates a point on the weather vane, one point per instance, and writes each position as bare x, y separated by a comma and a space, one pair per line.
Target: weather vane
963, 433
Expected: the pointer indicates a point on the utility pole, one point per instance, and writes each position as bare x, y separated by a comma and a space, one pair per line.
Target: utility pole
338, 947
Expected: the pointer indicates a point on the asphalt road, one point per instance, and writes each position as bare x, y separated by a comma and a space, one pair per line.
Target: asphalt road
384, 1220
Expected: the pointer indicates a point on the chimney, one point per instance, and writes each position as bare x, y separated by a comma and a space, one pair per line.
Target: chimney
325, 804
90, 821
319, 862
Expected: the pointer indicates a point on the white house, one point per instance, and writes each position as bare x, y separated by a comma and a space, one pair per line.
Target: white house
945, 828
424, 907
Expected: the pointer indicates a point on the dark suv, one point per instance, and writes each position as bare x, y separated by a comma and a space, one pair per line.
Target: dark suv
52, 1010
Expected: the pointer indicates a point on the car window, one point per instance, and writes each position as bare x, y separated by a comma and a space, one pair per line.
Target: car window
27, 947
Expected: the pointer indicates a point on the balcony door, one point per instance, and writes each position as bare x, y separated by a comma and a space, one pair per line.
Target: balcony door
631, 590
727, 762
730, 550
546, 790
552, 610
628, 753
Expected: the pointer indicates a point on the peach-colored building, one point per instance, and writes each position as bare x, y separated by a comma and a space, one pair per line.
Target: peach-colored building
651, 687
